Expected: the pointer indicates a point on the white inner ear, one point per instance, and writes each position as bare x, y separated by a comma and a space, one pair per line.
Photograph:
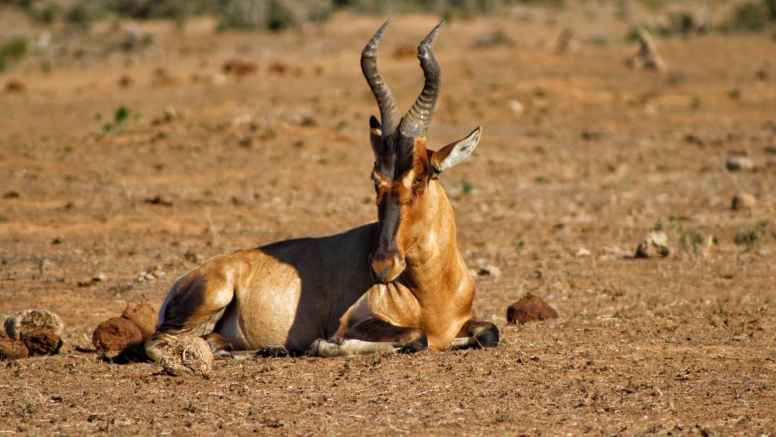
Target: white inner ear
461, 150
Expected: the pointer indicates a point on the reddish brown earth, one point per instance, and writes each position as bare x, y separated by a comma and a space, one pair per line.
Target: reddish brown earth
599, 156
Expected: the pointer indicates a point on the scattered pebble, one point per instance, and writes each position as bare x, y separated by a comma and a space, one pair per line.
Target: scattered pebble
403, 51
158, 200
29, 320
653, 245
743, 201
735, 163
516, 107
193, 256
566, 41
486, 270
125, 80
530, 308
15, 86
647, 57
582, 252
186, 355
150, 276
239, 67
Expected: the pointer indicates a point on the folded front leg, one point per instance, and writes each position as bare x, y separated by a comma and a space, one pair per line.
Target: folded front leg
372, 335
476, 334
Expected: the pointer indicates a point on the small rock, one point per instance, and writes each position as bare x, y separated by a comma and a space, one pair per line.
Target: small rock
192, 256
516, 107
29, 320
42, 342
11, 349
566, 41
582, 252
162, 77
159, 200
735, 163
743, 201
143, 315
654, 244
187, 355
15, 86
115, 334
239, 67
530, 308
489, 270
405, 51
125, 81
647, 57
99, 278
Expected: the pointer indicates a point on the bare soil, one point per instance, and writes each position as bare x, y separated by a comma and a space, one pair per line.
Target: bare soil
578, 152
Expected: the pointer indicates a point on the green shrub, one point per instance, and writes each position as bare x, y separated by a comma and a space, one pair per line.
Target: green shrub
751, 16
272, 14
13, 51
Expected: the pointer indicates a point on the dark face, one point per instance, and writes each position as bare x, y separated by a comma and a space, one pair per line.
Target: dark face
401, 175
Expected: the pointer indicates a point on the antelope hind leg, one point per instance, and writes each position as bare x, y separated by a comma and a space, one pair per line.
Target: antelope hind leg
193, 307
371, 336
476, 334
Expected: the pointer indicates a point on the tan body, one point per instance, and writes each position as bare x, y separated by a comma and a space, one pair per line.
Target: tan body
396, 285
294, 292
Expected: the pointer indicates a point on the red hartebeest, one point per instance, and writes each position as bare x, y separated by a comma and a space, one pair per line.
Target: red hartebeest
396, 285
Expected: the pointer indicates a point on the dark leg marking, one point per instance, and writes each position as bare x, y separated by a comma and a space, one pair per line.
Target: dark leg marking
480, 334
377, 330
219, 345
274, 351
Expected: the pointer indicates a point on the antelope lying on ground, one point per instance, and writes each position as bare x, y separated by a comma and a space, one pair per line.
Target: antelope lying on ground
396, 285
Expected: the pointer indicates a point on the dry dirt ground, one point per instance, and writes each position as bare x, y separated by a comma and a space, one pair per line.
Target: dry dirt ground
578, 152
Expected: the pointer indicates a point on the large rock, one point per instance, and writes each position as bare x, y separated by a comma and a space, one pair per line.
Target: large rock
143, 315
115, 334
42, 342
11, 349
29, 320
530, 308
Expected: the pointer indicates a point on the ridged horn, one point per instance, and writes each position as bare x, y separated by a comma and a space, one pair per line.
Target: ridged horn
389, 111
415, 123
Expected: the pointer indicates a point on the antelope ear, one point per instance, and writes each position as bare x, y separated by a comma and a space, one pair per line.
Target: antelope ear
456, 152
375, 135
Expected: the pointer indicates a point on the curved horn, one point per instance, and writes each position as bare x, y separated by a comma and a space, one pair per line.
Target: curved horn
389, 110
415, 123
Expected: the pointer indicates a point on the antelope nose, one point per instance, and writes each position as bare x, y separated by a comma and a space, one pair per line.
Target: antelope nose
388, 269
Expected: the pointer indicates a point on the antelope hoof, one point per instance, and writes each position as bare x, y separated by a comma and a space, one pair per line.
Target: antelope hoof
486, 338
414, 346
324, 348
274, 351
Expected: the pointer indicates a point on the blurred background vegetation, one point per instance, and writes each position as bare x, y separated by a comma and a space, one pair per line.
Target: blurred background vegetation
748, 15
671, 17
